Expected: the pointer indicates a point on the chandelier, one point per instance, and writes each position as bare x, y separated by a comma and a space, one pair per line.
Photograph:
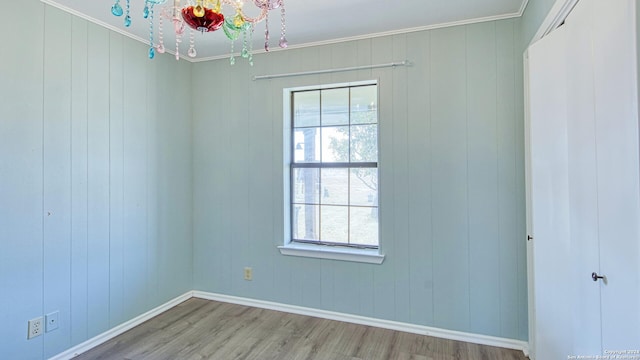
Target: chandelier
205, 16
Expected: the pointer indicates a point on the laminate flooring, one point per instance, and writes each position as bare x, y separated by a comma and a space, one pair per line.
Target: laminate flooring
203, 329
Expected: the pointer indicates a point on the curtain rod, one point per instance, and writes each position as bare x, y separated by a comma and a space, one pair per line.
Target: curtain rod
315, 72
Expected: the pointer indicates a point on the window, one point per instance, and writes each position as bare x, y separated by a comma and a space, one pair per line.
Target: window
333, 167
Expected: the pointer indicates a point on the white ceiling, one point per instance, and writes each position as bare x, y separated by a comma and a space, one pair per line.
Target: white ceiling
309, 21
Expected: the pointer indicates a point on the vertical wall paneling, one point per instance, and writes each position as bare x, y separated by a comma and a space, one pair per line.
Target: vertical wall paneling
21, 194
116, 180
482, 153
98, 181
419, 175
173, 152
239, 174
78, 323
292, 289
449, 178
88, 137
448, 175
78, 109
152, 181
207, 151
135, 180
226, 187
57, 175
521, 226
508, 143
401, 243
225, 194
260, 227
384, 292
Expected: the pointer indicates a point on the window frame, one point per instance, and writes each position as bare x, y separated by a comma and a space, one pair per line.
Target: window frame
313, 249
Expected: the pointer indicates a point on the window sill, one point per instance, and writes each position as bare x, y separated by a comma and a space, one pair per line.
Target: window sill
370, 256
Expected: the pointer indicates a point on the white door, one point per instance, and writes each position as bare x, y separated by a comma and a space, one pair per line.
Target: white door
585, 183
549, 206
616, 114
583, 179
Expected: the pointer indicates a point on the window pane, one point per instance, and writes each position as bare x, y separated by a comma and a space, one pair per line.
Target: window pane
335, 144
364, 143
332, 202
364, 187
306, 186
334, 189
334, 222
305, 222
335, 107
306, 108
306, 145
364, 226
364, 104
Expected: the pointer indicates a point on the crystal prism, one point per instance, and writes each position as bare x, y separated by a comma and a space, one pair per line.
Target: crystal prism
116, 9
283, 42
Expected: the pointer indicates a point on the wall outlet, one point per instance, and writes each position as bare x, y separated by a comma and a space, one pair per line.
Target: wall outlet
248, 273
35, 328
51, 321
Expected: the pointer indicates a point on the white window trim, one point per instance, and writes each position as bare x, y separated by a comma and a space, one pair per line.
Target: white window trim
343, 253
370, 256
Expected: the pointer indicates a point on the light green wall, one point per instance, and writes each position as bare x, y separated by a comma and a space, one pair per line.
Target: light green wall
451, 172
95, 179
105, 141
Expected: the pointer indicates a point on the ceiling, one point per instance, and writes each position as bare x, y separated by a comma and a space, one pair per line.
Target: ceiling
309, 22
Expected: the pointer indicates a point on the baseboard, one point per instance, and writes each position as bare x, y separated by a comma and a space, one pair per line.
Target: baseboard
110, 334
324, 314
362, 320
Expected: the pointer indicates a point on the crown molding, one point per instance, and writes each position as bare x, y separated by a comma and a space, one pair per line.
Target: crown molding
297, 46
523, 7
104, 25
381, 34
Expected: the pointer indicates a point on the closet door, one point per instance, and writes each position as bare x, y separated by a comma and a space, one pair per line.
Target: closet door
616, 118
584, 174
583, 179
549, 207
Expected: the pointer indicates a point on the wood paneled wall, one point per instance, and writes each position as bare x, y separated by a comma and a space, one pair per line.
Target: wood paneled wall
451, 172
95, 179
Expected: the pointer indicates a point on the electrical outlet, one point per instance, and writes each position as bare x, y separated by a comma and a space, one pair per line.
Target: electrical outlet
248, 273
51, 320
34, 328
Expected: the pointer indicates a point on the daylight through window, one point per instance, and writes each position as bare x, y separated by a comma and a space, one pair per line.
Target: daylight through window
334, 166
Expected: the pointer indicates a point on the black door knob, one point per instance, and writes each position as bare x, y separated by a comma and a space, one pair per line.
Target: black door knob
595, 276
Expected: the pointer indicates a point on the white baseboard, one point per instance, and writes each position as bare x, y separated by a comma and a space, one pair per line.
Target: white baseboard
362, 320
110, 334
323, 314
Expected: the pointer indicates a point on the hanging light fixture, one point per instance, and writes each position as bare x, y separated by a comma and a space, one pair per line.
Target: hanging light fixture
206, 16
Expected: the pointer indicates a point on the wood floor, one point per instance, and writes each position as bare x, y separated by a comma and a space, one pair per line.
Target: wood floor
203, 329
